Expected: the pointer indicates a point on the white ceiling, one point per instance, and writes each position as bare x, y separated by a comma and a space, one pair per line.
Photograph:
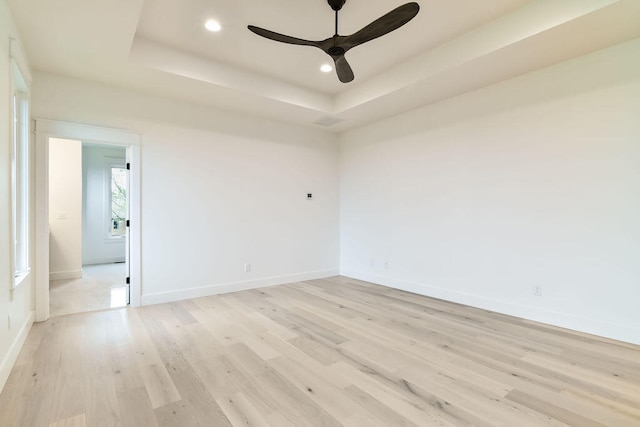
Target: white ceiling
452, 46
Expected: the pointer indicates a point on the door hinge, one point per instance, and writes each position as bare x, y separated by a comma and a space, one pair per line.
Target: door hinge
128, 166
128, 223
128, 280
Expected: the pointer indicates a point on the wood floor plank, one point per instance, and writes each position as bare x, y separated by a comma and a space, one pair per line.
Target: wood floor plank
294, 404
598, 408
363, 419
428, 356
606, 378
319, 389
420, 414
241, 412
126, 372
272, 327
194, 340
295, 355
218, 376
385, 415
314, 349
157, 381
175, 414
202, 406
68, 397
35, 408
552, 410
458, 394
219, 323
11, 405
135, 408
327, 352
76, 421
101, 401
278, 419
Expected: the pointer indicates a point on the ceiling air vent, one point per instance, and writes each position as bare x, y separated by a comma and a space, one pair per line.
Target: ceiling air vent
328, 121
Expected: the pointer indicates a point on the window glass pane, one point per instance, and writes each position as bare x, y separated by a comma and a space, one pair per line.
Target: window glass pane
20, 175
20, 190
118, 201
14, 189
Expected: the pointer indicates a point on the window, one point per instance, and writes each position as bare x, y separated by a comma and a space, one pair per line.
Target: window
20, 175
118, 205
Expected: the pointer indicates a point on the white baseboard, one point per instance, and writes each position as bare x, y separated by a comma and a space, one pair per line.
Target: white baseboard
14, 350
65, 275
170, 296
96, 261
564, 320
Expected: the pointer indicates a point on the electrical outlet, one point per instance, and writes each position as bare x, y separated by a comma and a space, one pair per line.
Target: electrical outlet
247, 268
386, 265
537, 291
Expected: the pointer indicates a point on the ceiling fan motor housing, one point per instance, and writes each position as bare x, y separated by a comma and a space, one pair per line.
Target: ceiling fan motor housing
336, 4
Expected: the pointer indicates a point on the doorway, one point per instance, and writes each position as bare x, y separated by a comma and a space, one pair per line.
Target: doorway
48, 130
88, 209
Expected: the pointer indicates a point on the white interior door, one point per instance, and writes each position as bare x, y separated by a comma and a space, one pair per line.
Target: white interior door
128, 224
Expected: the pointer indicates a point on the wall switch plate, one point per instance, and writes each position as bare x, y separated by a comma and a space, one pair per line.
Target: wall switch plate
537, 291
247, 268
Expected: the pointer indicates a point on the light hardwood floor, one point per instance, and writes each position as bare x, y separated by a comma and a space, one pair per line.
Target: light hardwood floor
320, 353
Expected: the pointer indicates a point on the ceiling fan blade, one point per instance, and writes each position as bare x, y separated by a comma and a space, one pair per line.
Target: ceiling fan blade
383, 25
281, 37
343, 69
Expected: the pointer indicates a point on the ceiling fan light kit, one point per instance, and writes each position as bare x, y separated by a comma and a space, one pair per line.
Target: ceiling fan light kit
336, 46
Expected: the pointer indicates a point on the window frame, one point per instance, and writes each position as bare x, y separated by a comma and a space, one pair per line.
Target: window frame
20, 167
109, 211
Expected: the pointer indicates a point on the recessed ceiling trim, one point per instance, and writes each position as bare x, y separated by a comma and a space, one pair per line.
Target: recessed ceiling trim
505, 31
160, 57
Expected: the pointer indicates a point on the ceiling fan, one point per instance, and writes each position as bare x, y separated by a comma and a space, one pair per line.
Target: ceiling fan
336, 46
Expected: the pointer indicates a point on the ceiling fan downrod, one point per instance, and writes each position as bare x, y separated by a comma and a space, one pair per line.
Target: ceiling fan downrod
336, 5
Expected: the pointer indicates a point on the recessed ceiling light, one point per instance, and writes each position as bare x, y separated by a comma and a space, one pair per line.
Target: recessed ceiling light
326, 68
212, 25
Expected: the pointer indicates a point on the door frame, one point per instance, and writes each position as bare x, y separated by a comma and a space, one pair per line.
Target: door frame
46, 129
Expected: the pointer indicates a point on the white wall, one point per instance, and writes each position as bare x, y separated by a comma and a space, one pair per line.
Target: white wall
18, 305
97, 246
65, 209
218, 190
531, 182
